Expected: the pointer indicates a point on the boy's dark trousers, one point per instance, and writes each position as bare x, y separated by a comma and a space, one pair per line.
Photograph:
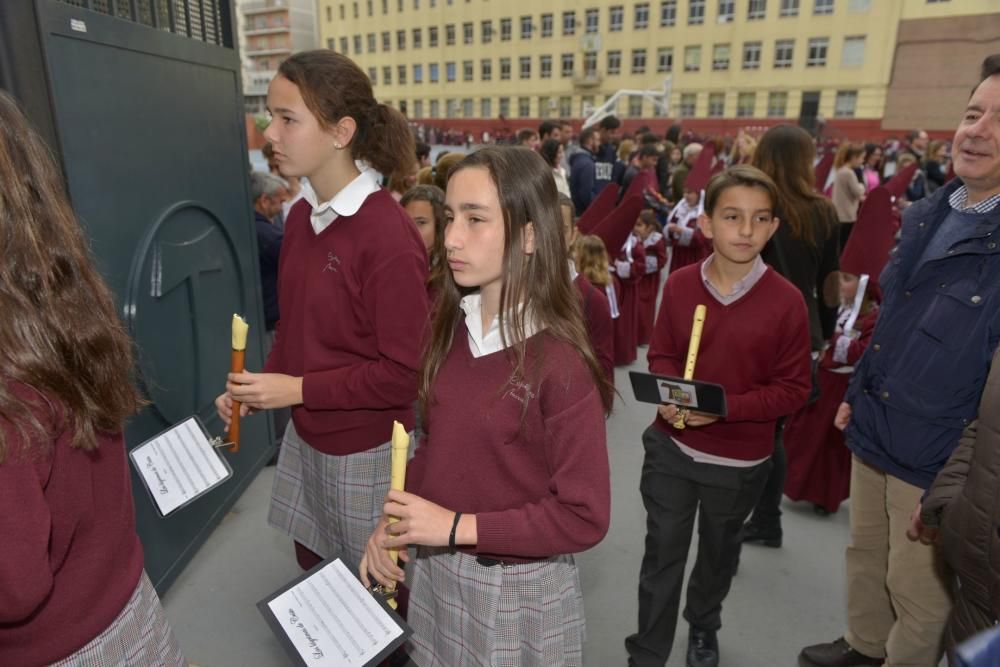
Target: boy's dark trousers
674, 488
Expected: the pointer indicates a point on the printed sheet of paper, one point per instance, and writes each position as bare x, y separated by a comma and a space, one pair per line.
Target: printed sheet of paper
331, 620
678, 393
179, 465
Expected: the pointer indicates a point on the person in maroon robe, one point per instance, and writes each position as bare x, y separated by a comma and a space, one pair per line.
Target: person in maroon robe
648, 231
687, 244
628, 266
819, 463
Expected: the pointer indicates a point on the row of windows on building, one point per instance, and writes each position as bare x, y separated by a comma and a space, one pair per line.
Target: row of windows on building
845, 106
641, 15
854, 48
852, 55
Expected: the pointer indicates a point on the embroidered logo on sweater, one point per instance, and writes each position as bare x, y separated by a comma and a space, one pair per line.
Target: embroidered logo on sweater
519, 390
332, 263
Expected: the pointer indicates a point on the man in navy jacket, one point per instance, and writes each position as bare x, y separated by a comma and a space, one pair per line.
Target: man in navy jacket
914, 391
582, 172
608, 167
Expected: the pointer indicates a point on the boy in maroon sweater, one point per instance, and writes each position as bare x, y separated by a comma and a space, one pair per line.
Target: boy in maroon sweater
756, 344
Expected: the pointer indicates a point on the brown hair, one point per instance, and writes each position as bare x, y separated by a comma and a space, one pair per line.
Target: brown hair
443, 169
625, 149
539, 283
59, 332
334, 87
426, 176
741, 174
933, 147
785, 153
648, 217
591, 259
905, 160
847, 152
435, 197
397, 182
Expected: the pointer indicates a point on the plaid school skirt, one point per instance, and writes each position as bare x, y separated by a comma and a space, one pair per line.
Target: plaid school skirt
140, 636
465, 613
329, 504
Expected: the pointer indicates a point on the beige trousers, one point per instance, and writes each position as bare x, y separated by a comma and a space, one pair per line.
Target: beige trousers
897, 596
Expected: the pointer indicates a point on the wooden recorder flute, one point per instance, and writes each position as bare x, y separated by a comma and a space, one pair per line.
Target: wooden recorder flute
696, 327
237, 363
397, 481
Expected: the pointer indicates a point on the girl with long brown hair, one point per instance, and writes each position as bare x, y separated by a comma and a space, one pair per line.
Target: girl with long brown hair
72, 585
805, 250
425, 206
512, 477
353, 303
848, 190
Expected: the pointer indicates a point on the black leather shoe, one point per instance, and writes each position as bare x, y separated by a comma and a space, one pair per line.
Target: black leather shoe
703, 648
835, 654
769, 536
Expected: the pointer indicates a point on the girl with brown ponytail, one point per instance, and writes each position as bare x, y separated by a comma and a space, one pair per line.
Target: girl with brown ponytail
353, 307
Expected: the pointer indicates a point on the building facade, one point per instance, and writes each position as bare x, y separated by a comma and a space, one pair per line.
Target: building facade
269, 32
729, 63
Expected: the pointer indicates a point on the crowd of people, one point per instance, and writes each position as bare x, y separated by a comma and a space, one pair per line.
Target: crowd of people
852, 318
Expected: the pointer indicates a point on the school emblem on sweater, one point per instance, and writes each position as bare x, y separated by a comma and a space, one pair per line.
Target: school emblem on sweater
519, 390
332, 263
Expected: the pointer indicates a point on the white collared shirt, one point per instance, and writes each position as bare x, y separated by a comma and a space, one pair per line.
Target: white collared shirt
345, 202
486, 342
740, 287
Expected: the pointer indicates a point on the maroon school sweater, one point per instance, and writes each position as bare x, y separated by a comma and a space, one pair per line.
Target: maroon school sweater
353, 303
69, 555
527, 455
597, 318
758, 348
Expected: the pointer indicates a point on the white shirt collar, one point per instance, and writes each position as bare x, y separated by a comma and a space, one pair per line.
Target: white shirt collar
740, 287
652, 239
486, 342
345, 202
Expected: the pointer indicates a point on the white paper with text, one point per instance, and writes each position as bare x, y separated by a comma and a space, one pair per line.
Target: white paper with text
332, 620
179, 465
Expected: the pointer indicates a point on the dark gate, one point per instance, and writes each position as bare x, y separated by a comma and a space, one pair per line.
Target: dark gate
142, 102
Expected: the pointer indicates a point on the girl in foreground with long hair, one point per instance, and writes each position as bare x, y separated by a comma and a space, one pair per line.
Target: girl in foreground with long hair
72, 586
512, 476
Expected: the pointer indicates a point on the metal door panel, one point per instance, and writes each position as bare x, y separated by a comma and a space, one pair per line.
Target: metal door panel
149, 126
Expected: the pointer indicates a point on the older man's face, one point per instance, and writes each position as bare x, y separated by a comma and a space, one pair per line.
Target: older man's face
976, 147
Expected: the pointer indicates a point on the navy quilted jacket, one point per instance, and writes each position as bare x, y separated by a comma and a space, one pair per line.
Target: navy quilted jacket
919, 383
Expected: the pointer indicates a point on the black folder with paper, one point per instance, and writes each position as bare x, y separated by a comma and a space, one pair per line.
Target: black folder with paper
326, 617
704, 397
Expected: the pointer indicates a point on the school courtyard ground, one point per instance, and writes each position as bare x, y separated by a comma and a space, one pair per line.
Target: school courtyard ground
781, 600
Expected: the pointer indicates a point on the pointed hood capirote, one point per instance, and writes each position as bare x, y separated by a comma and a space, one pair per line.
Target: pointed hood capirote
823, 168
701, 172
617, 225
897, 184
872, 238
602, 205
